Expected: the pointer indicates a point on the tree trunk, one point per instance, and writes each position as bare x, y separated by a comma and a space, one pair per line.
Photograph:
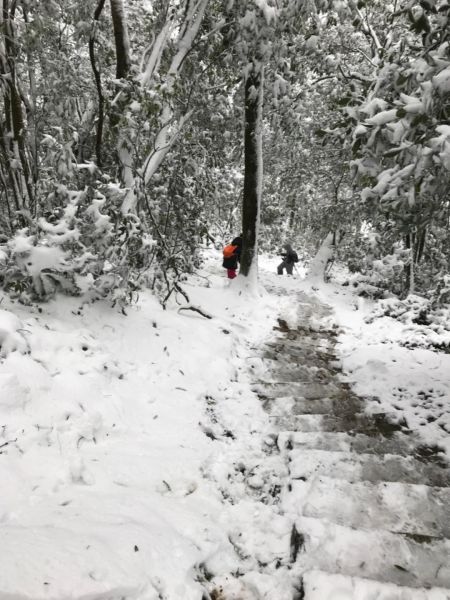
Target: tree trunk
253, 169
410, 245
318, 266
123, 58
19, 148
14, 117
420, 245
30, 109
98, 84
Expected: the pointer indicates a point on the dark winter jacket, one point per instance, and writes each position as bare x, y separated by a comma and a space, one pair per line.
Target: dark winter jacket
232, 261
290, 256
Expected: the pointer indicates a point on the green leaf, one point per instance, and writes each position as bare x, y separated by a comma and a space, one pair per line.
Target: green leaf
320, 133
419, 119
356, 146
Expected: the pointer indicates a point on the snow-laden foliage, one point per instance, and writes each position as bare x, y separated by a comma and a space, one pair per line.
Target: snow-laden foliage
82, 142
396, 114
76, 248
426, 326
144, 105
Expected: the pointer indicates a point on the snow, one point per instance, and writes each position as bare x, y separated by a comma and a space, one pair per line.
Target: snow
11, 338
318, 265
441, 81
134, 454
388, 361
383, 117
108, 429
322, 586
359, 131
270, 12
312, 42
373, 106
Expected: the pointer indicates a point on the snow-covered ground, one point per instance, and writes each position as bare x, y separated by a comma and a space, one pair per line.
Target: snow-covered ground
134, 455
114, 434
410, 383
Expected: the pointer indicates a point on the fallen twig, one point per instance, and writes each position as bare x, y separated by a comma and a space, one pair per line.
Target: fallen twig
7, 443
195, 309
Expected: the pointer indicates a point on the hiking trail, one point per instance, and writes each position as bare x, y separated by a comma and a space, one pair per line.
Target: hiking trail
369, 501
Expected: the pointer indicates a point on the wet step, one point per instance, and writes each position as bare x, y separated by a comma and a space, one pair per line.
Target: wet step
370, 501
290, 371
294, 374
300, 389
322, 406
288, 406
304, 464
341, 441
308, 358
373, 554
382, 423
306, 423
391, 506
319, 585
334, 442
292, 405
302, 355
318, 344
295, 351
360, 443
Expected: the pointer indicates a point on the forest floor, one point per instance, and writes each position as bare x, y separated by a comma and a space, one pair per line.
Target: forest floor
289, 447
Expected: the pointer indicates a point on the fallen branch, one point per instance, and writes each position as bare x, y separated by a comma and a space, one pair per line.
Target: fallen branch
195, 309
11, 441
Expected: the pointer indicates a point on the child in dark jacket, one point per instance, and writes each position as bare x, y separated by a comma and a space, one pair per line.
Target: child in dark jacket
230, 263
289, 259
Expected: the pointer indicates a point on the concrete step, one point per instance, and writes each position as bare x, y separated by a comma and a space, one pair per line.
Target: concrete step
286, 406
396, 507
305, 388
342, 441
380, 423
304, 464
317, 406
398, 444
315, 343
305, 355
318, 585
373, 554
292, 372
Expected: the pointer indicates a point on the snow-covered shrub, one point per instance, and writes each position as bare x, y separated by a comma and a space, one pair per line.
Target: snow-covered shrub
44, 257
426, 325
84, 245
409, 310
36, 267
125, 265
440, 294
378, 277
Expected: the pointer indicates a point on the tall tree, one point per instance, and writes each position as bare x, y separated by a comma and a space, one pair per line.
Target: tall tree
176, 38
253, 166
263, 34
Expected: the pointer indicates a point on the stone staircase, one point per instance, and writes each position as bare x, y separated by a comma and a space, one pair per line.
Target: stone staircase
370, 503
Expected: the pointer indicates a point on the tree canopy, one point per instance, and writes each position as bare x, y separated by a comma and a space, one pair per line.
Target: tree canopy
132, 132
